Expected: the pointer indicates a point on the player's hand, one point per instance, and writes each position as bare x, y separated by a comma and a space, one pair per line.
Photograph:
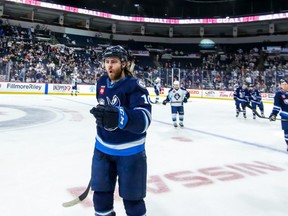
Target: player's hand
164, 102
106, 116
185, 100
272, 117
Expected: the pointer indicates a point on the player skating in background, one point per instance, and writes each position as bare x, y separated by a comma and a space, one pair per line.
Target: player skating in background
74, 88
123, 115
281, 106
256, 100
237, 104
157, 89
176, 96
241, 97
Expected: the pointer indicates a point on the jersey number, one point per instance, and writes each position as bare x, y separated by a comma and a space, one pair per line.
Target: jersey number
146, 100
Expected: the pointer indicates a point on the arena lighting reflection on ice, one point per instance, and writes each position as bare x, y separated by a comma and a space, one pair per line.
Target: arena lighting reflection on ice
153, 20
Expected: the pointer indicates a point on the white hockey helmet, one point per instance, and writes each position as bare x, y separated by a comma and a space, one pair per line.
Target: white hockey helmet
157, 80
176, 84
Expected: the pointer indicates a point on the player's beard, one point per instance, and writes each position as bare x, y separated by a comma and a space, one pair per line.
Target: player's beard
116, 75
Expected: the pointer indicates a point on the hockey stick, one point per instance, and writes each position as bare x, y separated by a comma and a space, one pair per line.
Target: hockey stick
154, 102
260, 116
79, 198
175, 102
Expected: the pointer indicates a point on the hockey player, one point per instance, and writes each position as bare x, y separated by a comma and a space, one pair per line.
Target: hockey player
256, 100
237, 104
241, 96
157, 88
74, 83
123, 115
281, 106
176, 96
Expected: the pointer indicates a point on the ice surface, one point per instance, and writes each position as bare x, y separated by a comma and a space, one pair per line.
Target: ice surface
217, 165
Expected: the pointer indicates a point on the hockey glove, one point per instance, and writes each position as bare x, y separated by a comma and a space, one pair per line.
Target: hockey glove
106, 116
164, 102
110, 117
272, 117
185, 100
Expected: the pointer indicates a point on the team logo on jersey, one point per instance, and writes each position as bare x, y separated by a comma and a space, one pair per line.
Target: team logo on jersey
115, 101
285, 101
177, 96
141, 83
102, 88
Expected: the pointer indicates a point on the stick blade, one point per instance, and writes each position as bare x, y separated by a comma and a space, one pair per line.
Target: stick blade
71, 203
79, 198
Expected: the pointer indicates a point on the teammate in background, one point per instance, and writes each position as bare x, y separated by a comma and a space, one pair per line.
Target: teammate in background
157, 88
256, 100
123, 115
241, 96
74, 83
281, 106
176, 96
238, 109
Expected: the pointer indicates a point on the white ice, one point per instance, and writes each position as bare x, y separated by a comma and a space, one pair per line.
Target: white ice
217, 165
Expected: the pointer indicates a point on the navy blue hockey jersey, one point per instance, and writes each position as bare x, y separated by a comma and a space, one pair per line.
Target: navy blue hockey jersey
131, 94
241, 94
255, 96
281, 106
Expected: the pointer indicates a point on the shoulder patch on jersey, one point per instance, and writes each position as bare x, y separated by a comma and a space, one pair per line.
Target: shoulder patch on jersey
101, 101
141, 83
